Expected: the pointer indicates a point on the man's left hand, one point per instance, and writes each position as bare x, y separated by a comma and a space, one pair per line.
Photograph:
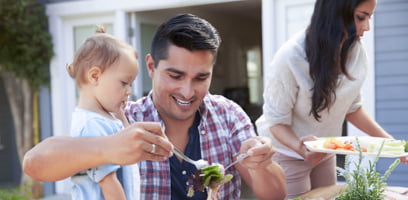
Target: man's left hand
260, 151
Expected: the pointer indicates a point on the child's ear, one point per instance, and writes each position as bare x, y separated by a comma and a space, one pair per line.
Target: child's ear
93, 75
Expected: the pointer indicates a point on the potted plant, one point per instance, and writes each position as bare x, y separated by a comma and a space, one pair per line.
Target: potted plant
364, 183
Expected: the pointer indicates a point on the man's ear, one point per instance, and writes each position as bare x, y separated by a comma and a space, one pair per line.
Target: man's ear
93, 75
150, 65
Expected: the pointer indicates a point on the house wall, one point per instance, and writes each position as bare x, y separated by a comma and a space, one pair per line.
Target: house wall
391, 77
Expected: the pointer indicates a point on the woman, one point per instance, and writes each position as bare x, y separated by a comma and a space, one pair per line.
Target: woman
313, 86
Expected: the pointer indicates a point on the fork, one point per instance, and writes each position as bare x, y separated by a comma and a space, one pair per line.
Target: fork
199, 164
239, 159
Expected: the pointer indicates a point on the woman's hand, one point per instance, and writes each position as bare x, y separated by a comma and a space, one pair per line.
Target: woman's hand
404, 159
310, 156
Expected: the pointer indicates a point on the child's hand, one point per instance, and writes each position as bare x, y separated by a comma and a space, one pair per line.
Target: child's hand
111, 187
120, 114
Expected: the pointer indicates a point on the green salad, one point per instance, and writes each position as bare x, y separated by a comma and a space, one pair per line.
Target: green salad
406, 146
390, 146
211, 176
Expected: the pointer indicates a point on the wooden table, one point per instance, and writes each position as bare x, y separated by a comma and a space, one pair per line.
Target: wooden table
330, 192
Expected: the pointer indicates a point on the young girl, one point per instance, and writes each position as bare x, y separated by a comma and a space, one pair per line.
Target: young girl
104, 69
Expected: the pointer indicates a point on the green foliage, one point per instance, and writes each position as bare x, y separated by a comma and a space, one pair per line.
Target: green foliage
364, 183
15, 194
25, 43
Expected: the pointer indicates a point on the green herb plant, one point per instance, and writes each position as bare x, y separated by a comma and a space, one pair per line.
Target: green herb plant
21, 193
364, 183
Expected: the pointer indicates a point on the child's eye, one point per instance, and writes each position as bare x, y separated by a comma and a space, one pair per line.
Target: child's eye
124, 83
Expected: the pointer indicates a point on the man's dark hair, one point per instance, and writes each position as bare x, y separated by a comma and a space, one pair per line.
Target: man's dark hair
186, 31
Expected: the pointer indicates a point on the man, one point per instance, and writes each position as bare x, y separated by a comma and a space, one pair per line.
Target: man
202, 125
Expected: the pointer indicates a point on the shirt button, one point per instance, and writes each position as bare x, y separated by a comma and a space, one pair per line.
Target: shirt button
184, 172
202, 132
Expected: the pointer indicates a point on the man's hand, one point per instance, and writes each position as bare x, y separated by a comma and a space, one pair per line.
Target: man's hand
258, 165
47, 160
260, 151
137, 142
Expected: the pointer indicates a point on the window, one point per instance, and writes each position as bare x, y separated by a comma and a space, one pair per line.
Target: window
254, 73
80, 35
83, 32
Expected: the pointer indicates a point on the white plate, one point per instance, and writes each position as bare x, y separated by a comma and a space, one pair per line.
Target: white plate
317, 146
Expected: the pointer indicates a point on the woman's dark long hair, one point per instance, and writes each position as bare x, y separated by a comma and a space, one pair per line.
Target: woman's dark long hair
329, 37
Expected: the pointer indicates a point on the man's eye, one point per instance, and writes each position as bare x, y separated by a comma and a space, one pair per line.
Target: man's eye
202, 78
175, 76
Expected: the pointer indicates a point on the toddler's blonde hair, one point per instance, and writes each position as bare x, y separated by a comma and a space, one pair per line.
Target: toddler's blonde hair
100, 50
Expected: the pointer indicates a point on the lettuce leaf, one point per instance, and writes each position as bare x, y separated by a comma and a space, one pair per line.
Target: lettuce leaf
212, 177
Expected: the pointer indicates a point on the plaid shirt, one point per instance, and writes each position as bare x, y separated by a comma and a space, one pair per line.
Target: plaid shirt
223, 127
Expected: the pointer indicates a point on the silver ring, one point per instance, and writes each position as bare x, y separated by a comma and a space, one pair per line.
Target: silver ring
153, 148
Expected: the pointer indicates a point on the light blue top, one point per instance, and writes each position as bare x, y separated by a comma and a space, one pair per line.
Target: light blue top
85, 184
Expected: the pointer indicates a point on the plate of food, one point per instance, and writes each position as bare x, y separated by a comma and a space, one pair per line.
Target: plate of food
370, 146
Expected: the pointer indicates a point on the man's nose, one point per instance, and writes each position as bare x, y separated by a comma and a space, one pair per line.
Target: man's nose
187, 89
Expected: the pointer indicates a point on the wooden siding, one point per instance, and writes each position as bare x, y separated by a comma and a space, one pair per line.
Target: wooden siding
391, 77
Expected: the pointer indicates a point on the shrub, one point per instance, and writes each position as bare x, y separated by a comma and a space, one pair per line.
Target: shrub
20, 193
